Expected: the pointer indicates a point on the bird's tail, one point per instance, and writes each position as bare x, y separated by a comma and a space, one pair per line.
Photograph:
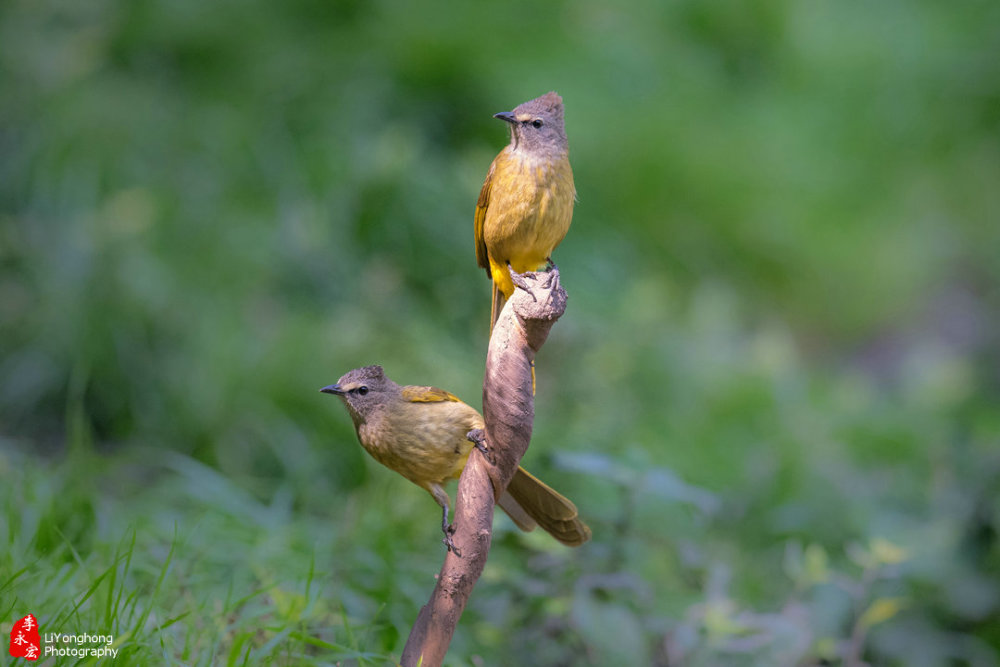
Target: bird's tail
498, 302
531, 502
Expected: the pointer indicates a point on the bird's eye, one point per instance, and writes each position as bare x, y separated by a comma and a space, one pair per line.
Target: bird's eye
536, 123
362, 390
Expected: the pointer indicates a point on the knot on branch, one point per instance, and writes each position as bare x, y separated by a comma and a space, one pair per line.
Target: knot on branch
539, 303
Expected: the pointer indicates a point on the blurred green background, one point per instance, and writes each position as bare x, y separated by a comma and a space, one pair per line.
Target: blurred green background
774, 395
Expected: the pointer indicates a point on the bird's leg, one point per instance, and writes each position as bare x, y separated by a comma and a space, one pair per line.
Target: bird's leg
519, 281
477, 437
448, 529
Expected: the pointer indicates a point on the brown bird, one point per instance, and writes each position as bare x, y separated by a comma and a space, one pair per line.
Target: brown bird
420, 432
526, 204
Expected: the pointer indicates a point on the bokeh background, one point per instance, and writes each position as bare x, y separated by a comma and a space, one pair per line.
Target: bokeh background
774, 395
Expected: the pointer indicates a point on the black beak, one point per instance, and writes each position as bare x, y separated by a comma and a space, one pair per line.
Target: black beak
507, 116
333, 389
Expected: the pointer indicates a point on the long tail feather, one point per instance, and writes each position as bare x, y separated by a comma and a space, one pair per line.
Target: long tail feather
528, 496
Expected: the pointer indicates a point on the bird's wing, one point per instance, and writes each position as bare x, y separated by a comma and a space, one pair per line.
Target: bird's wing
415, 394
481, 205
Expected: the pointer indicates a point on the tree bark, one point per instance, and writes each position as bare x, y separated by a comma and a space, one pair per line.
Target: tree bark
509, 413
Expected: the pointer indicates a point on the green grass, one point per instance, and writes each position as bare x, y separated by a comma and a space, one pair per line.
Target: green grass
177, 577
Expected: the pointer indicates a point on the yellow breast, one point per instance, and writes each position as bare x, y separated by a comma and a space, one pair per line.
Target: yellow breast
424, 442
530, 209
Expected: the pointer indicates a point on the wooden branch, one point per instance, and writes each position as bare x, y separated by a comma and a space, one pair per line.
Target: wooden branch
509, 412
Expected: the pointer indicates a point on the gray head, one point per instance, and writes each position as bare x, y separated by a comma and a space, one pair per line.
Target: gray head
537, 125
363, 391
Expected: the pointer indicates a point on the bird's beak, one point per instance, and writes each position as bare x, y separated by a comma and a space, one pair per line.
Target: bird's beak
507, 116
333, 389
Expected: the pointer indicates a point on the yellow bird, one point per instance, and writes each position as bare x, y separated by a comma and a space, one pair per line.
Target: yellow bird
420, 432
526, 204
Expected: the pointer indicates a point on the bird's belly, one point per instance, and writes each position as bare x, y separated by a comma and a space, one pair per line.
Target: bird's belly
427, 444
528, 215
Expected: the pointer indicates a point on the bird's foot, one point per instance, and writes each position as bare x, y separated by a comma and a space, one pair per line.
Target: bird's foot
552, 277
520, 281
477, 437
450, 543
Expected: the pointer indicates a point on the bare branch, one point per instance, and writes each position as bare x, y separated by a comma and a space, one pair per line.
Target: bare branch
509, 412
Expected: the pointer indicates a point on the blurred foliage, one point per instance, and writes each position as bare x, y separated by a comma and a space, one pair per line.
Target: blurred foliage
774, 395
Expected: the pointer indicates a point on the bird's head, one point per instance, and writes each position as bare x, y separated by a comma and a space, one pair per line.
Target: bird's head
537, 125
363, 391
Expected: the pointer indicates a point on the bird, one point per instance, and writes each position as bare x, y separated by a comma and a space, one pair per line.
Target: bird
526, 203
421, 433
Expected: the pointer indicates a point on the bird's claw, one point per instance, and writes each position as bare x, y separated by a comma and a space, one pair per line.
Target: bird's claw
450, 543
520, 281
477, 437
552, 278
